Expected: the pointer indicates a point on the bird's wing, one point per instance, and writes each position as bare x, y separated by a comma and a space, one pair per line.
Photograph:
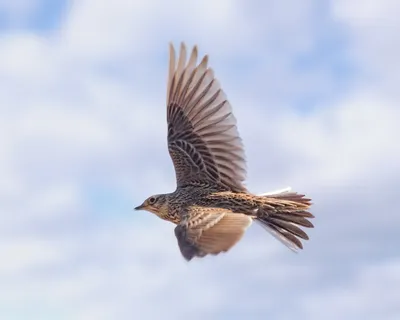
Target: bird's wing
203, 139
210, 231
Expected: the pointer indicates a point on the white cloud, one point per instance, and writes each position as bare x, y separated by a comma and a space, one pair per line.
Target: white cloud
372, 29
361, 14
82, 139
371, 294
26, 252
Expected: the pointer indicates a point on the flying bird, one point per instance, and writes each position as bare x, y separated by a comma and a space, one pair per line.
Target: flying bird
211, 207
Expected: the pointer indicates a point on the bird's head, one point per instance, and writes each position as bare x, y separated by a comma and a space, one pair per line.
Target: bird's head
156, 204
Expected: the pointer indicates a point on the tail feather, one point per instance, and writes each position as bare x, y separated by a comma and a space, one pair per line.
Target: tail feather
275, 192
296, 218
283, 236
288, 226
287, 194
289, 212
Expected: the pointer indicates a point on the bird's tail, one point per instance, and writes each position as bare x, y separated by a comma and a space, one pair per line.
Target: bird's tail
282, 212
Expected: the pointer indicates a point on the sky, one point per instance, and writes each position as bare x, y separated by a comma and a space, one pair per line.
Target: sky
314, 88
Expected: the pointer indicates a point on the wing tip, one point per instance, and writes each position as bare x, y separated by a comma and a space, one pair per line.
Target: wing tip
204, 61
181, 63
182, 47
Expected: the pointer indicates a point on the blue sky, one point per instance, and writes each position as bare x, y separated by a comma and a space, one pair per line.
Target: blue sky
83, 140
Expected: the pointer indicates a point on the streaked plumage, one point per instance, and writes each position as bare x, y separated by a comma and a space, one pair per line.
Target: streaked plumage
210, 206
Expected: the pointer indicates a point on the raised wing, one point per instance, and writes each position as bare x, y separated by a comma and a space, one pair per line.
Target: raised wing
203, 140
210, 231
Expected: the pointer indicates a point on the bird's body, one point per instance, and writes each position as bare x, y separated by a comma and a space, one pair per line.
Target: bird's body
210, 206
176, 203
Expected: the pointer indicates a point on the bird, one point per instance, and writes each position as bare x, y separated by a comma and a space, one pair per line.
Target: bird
211, 207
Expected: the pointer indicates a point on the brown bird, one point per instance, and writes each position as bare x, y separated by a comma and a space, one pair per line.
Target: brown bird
211, 206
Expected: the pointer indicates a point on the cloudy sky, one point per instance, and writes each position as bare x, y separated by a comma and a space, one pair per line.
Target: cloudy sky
314, 86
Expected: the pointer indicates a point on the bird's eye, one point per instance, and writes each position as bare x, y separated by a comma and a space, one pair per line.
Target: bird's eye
152, 200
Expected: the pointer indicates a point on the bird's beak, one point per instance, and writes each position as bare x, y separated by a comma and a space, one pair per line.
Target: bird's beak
139, 207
